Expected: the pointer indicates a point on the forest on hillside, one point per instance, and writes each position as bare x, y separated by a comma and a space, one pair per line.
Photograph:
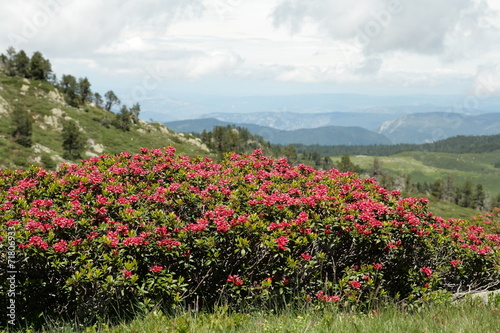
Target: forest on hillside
457, 145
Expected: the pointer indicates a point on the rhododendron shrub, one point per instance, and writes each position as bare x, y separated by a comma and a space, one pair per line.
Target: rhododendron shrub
114, 232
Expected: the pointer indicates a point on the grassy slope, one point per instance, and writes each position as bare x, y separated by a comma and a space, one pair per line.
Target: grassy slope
88, 117
428, 167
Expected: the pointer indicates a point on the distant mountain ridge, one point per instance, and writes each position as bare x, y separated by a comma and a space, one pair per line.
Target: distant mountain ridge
327, 135
288, 121
351, 128
433, 126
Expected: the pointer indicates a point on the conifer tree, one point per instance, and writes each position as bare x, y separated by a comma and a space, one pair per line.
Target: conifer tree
74, 141
98, 99
123, 119
111, 99
134, 112
69, 87
84, 92
22, 64
23, 127
40, 68
10, 66
345, 165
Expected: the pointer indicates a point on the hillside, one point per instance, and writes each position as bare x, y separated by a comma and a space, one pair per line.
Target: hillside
48, 112
421, 168
327, 135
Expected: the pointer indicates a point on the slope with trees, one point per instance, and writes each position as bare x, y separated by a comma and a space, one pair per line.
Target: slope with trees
50, 121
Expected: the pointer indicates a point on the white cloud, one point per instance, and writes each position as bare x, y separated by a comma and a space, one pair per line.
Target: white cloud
72, 27
426, 27
337, 42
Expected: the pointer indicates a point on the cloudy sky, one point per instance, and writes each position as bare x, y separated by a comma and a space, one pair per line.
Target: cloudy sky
145, 48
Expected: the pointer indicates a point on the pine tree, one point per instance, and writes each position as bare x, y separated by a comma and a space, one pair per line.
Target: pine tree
123, 119
345, 164
111, 99
10, 65
40, 68
466, 194
478, 198
290, 153
69, 87
74, 142
23, 127
98, 100
22, 64
84, 92
134, 112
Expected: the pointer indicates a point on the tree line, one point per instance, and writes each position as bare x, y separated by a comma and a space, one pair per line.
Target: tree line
230, 138
461, 144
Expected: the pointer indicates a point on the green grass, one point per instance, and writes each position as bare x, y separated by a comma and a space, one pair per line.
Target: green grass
428, 167
449, 210
468, 316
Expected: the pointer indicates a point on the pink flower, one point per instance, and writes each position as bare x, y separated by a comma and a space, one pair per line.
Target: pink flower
234, 279
63, 222
61, 246
134, 241
168, 242
427, 271
126, 273
321, 295
355, 284
38, 242
281, 241
377, 266
155, 269
306, 256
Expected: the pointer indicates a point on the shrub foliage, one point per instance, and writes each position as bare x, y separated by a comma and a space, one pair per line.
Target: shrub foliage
116, 232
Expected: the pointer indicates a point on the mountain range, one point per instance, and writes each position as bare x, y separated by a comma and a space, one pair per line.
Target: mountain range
327, 135
349, 128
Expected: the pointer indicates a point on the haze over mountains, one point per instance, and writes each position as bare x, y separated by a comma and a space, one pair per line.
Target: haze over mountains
339, 119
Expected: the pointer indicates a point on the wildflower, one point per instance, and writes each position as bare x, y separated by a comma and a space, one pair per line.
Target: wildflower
355, 284
281, 241
321, 295
38, 242
61, 246
427, 271
234, 279
306, 256
134, 241
126, 273
155, 269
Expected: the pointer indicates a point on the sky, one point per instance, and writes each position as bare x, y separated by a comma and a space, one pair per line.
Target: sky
152, 48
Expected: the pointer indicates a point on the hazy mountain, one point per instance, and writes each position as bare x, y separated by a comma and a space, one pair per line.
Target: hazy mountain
327, 135
171, 107
429, 127
292, 121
